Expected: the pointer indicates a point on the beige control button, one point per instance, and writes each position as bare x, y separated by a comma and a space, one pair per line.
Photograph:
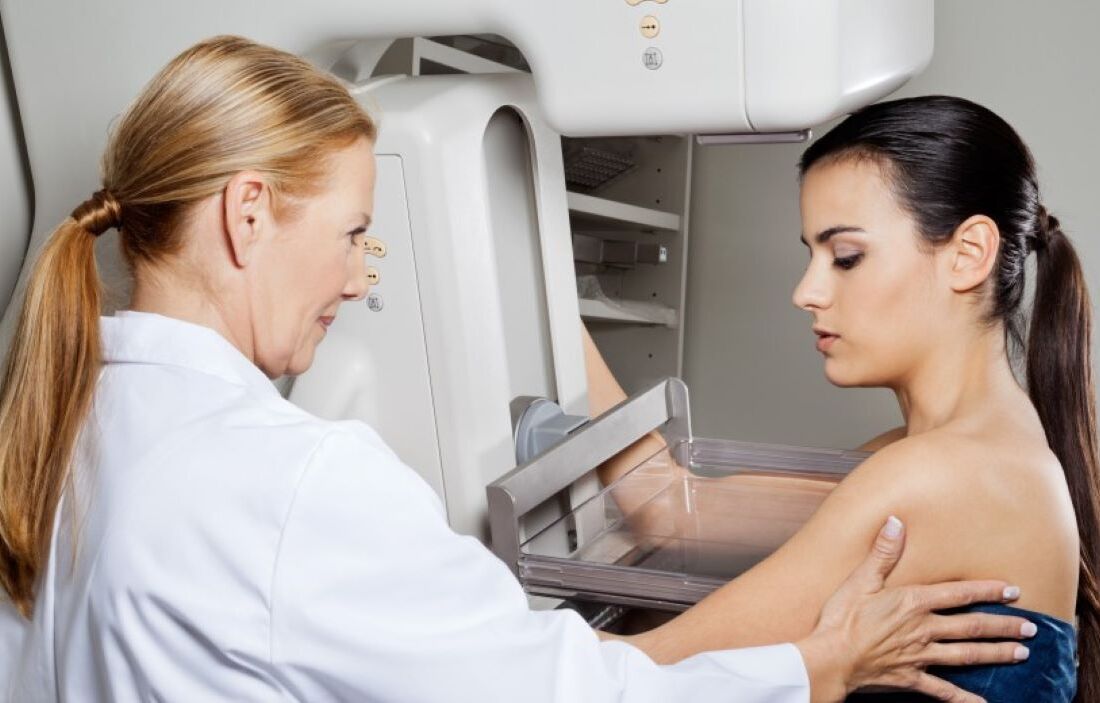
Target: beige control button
373, 277
375, 247
632, 3
651, 27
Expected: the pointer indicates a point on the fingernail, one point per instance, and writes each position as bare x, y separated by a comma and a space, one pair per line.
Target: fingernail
893, 528
1021, 653
1012, 592
1028, 629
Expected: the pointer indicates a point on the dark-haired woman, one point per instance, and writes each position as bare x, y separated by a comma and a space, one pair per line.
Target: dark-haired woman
919, 216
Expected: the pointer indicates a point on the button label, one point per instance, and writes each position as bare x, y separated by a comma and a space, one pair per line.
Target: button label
652, 58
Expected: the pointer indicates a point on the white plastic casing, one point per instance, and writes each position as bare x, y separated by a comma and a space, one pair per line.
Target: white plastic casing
479, 304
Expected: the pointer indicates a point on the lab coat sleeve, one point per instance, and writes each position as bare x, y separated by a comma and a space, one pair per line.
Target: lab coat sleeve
375, 598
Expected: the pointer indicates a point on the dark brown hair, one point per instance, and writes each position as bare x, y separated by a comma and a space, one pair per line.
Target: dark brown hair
949, 159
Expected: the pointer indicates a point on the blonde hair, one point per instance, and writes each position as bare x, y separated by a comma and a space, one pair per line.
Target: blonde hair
223, 106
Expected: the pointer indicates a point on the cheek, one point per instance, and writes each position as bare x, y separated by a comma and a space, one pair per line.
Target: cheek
320, 278
893, 316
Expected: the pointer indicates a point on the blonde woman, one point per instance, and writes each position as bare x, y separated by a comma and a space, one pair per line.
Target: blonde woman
173, 529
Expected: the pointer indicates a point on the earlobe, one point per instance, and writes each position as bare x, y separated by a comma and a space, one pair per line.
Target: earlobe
974, 247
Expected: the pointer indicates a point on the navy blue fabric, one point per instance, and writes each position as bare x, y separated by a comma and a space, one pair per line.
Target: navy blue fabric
1049, 674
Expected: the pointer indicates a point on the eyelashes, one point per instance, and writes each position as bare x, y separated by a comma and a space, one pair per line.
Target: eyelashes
358, 231
847, 263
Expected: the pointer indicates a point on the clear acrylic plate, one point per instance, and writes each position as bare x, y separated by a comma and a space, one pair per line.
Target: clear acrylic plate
665, 536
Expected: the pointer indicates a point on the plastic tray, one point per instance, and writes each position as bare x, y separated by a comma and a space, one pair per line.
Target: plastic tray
665, 535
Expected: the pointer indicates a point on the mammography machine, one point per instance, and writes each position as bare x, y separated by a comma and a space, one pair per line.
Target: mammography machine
475, 306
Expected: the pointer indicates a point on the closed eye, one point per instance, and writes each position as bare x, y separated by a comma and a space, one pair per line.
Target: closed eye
847, 262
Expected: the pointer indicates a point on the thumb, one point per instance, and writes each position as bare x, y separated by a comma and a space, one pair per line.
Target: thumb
885, 554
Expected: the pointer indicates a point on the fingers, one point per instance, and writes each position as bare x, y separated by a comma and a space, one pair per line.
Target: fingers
979, 626
959, 593
972, 653
869, 576
941, 690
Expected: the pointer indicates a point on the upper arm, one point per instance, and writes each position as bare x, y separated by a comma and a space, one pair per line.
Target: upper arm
780, 599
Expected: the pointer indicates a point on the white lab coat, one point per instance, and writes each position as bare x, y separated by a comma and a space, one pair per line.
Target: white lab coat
232, 547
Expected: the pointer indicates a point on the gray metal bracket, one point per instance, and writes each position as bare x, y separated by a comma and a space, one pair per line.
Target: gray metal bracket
664, 407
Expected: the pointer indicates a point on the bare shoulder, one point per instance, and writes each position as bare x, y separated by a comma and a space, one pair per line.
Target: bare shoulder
926, 464
885, 439
944, 463
977, 505
948, 472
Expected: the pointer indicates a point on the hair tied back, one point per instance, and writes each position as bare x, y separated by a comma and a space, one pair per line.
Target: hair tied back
99, 213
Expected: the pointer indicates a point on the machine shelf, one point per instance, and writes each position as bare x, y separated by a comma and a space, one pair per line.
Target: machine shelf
601, 211
603, 311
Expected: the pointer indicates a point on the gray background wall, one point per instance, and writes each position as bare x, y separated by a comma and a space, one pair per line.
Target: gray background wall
749, 357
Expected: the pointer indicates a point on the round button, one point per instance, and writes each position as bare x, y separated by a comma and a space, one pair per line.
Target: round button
652, 58
373, 277
374, 302
650, 26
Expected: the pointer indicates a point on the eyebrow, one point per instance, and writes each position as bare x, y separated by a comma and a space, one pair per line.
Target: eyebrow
827, 234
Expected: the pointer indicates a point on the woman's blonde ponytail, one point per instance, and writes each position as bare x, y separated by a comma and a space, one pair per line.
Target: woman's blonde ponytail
47, 391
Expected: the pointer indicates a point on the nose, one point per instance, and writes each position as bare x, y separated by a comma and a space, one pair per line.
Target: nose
812, 292
356, 287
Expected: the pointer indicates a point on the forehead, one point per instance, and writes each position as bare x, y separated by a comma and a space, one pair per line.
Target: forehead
849, 192
351, 174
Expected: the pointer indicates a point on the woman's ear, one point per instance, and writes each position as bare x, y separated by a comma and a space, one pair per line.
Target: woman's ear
247, 205
973, 253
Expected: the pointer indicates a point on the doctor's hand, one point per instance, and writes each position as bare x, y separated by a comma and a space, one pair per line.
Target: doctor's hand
869, 635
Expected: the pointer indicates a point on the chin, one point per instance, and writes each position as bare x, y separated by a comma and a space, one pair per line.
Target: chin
839, 376
300, 363
851, 376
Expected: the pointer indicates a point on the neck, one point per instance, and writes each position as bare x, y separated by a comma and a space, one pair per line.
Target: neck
956, 382
173, 294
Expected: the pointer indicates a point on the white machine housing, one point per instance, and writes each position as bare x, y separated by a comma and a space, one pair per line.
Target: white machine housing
476, 303
479, 302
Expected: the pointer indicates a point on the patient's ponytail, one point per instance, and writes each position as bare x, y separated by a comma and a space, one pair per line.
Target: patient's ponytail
223, 106
46, 391
1059, 380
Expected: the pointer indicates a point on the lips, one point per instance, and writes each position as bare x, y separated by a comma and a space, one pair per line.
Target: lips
327, 320
825, 339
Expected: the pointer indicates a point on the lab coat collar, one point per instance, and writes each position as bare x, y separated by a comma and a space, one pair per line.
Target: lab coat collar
147, 338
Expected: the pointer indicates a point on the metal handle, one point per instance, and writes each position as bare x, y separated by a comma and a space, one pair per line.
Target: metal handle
663, 406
